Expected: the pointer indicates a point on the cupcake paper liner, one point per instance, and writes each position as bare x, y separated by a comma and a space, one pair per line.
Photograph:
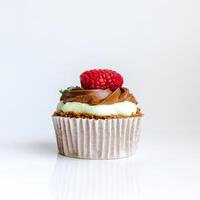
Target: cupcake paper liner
97, 139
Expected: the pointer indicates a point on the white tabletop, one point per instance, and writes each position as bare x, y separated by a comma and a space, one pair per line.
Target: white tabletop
164, 167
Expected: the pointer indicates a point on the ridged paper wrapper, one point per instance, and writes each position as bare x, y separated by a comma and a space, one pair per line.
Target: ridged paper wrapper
97, 138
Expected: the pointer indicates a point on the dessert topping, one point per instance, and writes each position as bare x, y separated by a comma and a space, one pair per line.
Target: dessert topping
101, 79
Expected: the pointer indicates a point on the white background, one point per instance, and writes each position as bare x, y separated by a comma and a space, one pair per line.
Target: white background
45, 45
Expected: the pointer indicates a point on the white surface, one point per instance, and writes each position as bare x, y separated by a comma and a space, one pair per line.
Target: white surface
159, 170
45, 45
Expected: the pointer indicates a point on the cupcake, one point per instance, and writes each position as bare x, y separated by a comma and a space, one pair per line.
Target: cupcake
99, 120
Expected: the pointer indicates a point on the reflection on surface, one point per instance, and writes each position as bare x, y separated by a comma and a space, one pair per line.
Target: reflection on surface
95, 179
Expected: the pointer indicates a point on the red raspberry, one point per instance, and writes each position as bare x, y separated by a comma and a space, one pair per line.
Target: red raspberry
101, 79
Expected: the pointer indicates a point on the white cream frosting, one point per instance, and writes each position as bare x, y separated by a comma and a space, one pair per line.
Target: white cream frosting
125, 108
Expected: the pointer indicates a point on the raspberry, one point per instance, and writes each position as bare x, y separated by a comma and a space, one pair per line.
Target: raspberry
101, 79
